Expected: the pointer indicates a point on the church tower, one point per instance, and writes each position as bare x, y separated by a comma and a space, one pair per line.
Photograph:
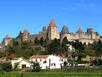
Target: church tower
52, 31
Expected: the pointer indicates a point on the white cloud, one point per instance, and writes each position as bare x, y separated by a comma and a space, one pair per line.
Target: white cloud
79, 5
82, 4
86, 4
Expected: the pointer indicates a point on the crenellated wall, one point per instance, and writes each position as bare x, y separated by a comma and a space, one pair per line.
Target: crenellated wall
82, 37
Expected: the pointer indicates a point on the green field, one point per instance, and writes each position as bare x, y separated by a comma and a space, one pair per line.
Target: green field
71, 72
50, 75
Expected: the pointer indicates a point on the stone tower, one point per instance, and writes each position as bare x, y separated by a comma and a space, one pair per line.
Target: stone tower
7, 40
65, 30
64, 33
52, 31
26, 35
79, 33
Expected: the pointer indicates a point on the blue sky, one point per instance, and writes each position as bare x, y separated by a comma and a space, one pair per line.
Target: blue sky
17, 15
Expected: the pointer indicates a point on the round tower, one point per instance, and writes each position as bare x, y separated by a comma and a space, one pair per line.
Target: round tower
64, 33
65, 30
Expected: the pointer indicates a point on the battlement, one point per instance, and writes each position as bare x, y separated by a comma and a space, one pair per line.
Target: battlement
45, 28
85, 37
50, 32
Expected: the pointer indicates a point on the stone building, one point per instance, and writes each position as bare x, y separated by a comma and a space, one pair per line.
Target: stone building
26, 35
6, 41
85, 37
50, 32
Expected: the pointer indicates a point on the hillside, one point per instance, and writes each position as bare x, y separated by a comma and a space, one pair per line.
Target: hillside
42, 47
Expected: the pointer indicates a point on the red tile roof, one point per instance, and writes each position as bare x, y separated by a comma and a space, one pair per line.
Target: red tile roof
19, 58
40, 56
79, 30
15, 58
27, 60
7, 36
26, 31
44, 56
60, 56
52, 24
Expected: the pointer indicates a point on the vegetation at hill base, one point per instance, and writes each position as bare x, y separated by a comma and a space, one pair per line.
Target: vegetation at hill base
43, 46
6, 67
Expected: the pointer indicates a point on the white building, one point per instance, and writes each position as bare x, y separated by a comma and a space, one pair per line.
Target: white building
22, 63
49, 61
70, 47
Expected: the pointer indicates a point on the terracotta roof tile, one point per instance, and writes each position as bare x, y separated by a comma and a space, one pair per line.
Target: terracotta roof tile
27, 60
7, 36
79, 30
40, 56
60, 56
26, 31
52, 24
15, 58
43, 56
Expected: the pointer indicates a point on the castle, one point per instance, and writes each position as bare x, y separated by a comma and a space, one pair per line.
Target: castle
51, 33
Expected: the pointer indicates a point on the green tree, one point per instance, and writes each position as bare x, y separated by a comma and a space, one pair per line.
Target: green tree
98, 48
65, 41
36, 67
41, 41
81, 55
20, 35
16, 65
36, 41
78, 45
6, 67
54, 47
2, 54
64, 47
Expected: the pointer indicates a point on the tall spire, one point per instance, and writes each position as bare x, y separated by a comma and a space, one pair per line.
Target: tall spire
26, 31
65, 30
7, 36
52, 24
79, 30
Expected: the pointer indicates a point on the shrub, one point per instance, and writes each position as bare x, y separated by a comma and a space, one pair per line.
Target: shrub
36, 67
16, 65
6, 67
1, 54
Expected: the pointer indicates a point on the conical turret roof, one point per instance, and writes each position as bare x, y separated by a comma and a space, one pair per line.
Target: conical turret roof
79, 30
65, 30
7, 36
26, 31
52, 24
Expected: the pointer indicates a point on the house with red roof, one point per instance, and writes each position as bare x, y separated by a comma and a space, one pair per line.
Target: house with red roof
22, 63
45, 61
49, 61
